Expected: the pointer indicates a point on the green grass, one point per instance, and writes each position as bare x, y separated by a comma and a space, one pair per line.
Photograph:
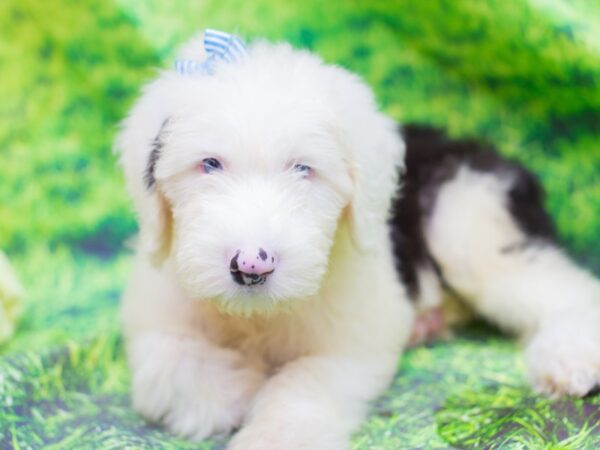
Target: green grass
468, 393
74, 397
502, 416
523, 74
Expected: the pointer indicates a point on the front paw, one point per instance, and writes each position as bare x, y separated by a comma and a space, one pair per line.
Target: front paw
293, 425
194, 394
255, 438
292, 437
563, 356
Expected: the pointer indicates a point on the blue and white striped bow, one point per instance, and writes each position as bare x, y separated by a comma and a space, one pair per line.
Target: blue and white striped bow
219, 46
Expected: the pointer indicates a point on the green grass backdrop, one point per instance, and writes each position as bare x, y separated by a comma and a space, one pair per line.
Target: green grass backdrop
524, 74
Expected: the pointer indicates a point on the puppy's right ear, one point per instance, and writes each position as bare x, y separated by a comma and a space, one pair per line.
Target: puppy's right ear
140, 144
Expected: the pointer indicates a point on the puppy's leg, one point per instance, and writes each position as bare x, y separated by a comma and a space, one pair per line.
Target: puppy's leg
313, 403
179, 377
355, 337
192, 387
527, 286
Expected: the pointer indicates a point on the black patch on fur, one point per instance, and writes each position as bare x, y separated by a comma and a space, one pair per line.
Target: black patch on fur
157, 145
593, 393
432, 159
526, 204
152, 159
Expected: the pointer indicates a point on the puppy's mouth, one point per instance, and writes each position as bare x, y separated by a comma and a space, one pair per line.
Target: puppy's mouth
249, 279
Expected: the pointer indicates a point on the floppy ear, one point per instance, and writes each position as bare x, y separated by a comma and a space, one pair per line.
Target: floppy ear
140, 144
375, 150
375, 172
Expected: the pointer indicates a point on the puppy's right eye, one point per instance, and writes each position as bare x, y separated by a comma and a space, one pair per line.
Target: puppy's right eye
209, 165
305, 170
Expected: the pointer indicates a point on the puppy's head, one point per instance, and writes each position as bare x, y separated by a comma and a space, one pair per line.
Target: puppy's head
241, 178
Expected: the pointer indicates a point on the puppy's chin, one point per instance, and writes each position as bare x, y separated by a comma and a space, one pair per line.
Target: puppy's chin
256, 304
280, 292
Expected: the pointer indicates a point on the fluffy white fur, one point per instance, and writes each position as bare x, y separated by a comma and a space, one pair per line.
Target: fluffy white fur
295, 361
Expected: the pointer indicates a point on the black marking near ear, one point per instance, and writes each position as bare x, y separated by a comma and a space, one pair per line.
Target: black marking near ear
157, 145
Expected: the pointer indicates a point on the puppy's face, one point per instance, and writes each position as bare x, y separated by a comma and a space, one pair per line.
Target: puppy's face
252, 169
256, 187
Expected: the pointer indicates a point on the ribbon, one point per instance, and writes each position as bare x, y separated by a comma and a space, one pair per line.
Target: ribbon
219, 46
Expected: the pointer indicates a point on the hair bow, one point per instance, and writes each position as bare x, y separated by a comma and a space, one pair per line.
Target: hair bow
219, 46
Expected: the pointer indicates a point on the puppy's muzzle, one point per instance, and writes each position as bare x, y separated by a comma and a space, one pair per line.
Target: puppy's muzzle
251, 267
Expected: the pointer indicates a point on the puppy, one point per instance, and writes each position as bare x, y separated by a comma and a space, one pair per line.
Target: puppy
265, 293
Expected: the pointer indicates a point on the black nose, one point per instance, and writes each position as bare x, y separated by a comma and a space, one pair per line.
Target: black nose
251, 267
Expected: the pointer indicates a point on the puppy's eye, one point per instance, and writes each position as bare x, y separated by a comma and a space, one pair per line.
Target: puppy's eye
303, 169
209, 165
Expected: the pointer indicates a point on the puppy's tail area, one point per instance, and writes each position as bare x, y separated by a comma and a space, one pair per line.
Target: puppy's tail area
470, 224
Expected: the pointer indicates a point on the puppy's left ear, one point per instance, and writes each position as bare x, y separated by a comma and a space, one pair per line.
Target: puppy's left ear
376, 158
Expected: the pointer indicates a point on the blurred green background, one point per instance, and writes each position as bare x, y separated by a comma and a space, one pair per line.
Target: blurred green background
524, 74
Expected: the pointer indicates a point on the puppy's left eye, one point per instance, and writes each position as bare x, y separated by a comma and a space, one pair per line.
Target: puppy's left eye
303, 169
209, 165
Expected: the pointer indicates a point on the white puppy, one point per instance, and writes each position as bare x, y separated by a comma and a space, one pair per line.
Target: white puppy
264, 289
264, 293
